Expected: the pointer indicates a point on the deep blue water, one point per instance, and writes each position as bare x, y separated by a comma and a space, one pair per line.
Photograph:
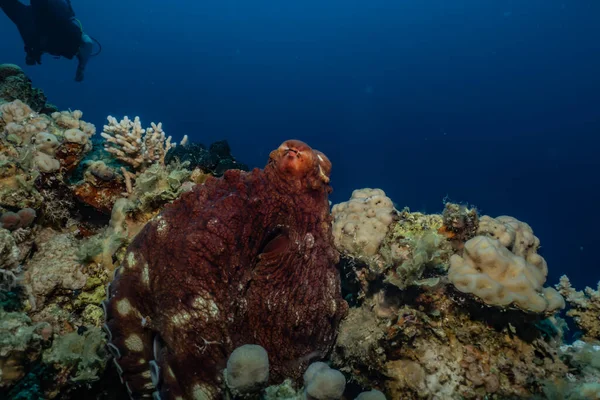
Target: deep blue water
494, 103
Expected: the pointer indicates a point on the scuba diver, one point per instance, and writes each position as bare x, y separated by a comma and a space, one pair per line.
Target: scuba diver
50, 26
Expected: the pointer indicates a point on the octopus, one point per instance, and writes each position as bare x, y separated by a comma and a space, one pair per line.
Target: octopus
247, 258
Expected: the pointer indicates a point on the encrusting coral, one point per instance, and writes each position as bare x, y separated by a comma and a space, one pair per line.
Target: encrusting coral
21, 342
413, 248
9, 260
55, 269
80, 356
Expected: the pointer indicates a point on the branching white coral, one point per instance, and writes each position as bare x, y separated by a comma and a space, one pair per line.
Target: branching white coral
138, 147
585, 307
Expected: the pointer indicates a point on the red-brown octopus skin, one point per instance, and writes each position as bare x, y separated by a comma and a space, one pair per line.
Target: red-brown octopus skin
243, 259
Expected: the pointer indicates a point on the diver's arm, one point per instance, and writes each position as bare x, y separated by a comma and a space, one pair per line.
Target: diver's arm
83, 56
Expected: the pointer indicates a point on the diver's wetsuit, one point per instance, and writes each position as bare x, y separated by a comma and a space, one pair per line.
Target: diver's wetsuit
49, 26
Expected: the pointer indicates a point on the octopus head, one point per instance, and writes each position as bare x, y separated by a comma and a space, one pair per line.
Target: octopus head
296, 159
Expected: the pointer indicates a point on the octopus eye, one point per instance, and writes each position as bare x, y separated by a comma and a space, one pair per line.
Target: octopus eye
275, 243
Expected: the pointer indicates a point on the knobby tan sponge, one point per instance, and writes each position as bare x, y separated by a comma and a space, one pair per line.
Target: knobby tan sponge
501, 267
361, 223
513, 234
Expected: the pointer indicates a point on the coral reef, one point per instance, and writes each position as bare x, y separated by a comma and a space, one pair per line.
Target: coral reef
21, 342
222, 286
158, 185
57, 254
264, 234
32, 146
412, 249
54, 270
416, 332
15, 85
444, 351
584, 307
79, 356
149, 169
9, 260
215, 160
43, 283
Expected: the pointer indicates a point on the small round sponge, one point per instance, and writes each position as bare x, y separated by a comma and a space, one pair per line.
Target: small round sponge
323, 383
45, 162
75, 135
371, 395
46, 143
247, 370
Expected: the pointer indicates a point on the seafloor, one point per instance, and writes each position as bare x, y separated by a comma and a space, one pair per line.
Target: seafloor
404, 305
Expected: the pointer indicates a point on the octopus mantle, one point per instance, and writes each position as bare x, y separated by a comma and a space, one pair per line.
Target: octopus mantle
243, 259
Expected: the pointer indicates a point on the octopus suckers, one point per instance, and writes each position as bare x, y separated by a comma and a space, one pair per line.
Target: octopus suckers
181, 318
124, 307
208, 306
145, 275
212, 222
161, 226
309, 240
131, 259
134, 343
